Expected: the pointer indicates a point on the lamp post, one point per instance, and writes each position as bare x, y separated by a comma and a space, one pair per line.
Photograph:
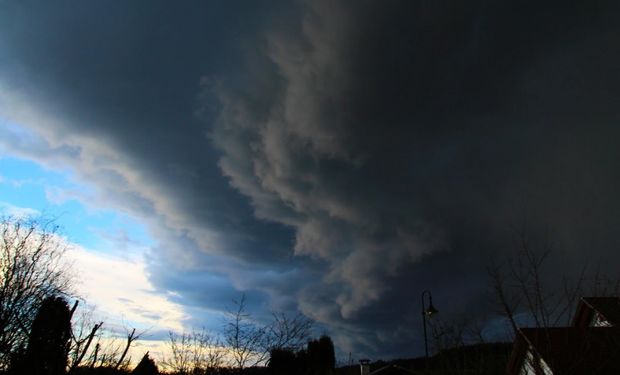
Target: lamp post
430, 311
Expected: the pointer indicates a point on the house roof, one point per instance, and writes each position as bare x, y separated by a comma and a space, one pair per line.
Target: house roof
569, 350
607, 307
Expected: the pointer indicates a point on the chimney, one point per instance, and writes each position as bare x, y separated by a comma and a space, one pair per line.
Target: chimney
364, 367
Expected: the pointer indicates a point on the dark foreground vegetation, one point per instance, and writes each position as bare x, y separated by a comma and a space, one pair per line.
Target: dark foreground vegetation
47, 352
41, 334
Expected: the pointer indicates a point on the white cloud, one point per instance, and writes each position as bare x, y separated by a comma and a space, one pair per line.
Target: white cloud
120, 288
11, 210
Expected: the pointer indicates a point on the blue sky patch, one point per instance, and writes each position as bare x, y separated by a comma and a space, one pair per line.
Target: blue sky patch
27, 186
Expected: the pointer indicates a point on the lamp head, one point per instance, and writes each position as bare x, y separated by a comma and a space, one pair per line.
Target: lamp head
431, 310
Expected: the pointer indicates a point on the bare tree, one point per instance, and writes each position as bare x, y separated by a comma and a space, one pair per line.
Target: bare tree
603, 285
448, 334
194, 352
251, 342
84, 331
507, 301
181, 347
457, 330
245, 338
32, 268
131, 337
522, 291
288, 333
109, 350
93, 345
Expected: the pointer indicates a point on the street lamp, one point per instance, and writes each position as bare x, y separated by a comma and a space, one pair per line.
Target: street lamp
430, 311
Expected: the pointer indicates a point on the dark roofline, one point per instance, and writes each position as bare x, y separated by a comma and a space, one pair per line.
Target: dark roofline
565, 347
584, 313
588, 305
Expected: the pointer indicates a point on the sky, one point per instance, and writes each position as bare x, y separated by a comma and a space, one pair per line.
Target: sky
334, 158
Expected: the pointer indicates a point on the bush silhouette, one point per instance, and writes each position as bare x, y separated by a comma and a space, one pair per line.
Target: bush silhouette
146, 366
283, 362
48, 341
320, 356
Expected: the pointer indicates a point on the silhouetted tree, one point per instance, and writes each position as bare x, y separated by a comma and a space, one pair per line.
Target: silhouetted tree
146, 366
81, 341
251, 342
111, 350
194, 352
521, 287
321, 358
31, 269
286, 332
245, 338
46, 353
131, 337
283, 362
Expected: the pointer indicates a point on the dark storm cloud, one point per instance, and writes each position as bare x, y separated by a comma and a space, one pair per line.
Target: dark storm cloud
406, 142
112, 92
122, 84
369, 150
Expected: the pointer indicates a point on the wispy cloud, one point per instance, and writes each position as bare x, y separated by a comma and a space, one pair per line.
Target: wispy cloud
8, 209
120, 288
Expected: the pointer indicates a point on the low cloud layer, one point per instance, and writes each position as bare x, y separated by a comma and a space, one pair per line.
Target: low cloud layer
338, 162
